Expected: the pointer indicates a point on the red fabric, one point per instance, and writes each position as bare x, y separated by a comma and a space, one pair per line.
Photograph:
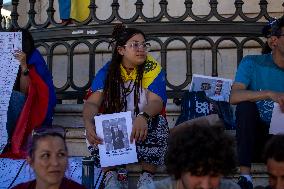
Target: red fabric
89, 93
31, 117
163, 112
66, 184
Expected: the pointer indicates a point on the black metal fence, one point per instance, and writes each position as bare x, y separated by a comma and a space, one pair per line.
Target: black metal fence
188, 29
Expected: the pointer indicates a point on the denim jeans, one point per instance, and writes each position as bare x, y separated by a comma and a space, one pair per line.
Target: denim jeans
252, 133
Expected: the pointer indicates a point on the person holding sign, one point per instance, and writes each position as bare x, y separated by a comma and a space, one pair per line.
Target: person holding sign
259, 82
32, 101
132, 81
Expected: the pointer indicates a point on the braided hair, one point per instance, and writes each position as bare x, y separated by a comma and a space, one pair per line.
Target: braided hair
114, 99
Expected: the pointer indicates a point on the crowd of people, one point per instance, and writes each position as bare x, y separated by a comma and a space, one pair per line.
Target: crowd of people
198, 154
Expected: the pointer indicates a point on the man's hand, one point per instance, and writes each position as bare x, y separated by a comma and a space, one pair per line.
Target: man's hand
139, 130
279, 98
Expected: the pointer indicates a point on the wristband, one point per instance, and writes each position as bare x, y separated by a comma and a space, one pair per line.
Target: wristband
145, 115
26, 72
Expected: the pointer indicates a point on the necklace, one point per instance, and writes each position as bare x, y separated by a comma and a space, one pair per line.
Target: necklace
126, 91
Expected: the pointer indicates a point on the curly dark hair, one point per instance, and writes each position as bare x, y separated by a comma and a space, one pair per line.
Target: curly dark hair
274, 148
113, 101
200, 150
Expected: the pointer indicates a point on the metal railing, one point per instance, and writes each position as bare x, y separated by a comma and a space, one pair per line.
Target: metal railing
163, 29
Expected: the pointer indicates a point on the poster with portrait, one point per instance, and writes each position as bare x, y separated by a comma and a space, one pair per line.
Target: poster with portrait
216, 88
115, 130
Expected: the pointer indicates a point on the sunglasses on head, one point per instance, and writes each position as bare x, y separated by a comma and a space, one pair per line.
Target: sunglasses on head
49, 131
273, 28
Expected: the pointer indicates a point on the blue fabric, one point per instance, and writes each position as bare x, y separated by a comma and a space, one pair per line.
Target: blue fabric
16, 104
159, 86
194, 104
37, 60
64, 9
259, 72
99, 80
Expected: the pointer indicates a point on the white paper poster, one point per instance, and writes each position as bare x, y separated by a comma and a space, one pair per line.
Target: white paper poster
115, 130
9, 66
215, 88
277, 120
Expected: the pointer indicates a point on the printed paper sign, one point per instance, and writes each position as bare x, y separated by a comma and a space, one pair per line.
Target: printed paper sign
115, 130
9, 66
277, 120
215, 88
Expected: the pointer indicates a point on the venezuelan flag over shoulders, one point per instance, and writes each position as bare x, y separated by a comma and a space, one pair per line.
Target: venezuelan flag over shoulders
154, 78
38, 108
151, 71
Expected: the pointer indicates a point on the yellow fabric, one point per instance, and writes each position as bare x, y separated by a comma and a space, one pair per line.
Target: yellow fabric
80, 10
151, 71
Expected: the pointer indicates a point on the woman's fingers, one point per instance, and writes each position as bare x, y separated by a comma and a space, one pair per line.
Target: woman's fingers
145, 134
21, 56
92, 137
138, 135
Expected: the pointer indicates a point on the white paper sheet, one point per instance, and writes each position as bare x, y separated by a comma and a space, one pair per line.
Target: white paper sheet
9, 66
215, 88
277, 120
115, 130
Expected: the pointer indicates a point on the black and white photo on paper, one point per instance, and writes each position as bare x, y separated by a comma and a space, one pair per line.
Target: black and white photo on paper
115, 130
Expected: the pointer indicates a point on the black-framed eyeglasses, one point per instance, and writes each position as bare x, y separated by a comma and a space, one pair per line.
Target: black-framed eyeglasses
49, 131
136, 46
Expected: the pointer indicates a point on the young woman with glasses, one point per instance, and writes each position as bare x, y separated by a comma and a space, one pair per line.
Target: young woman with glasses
131, 81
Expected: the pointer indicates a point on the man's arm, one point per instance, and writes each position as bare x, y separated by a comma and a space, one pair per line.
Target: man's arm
239, 93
